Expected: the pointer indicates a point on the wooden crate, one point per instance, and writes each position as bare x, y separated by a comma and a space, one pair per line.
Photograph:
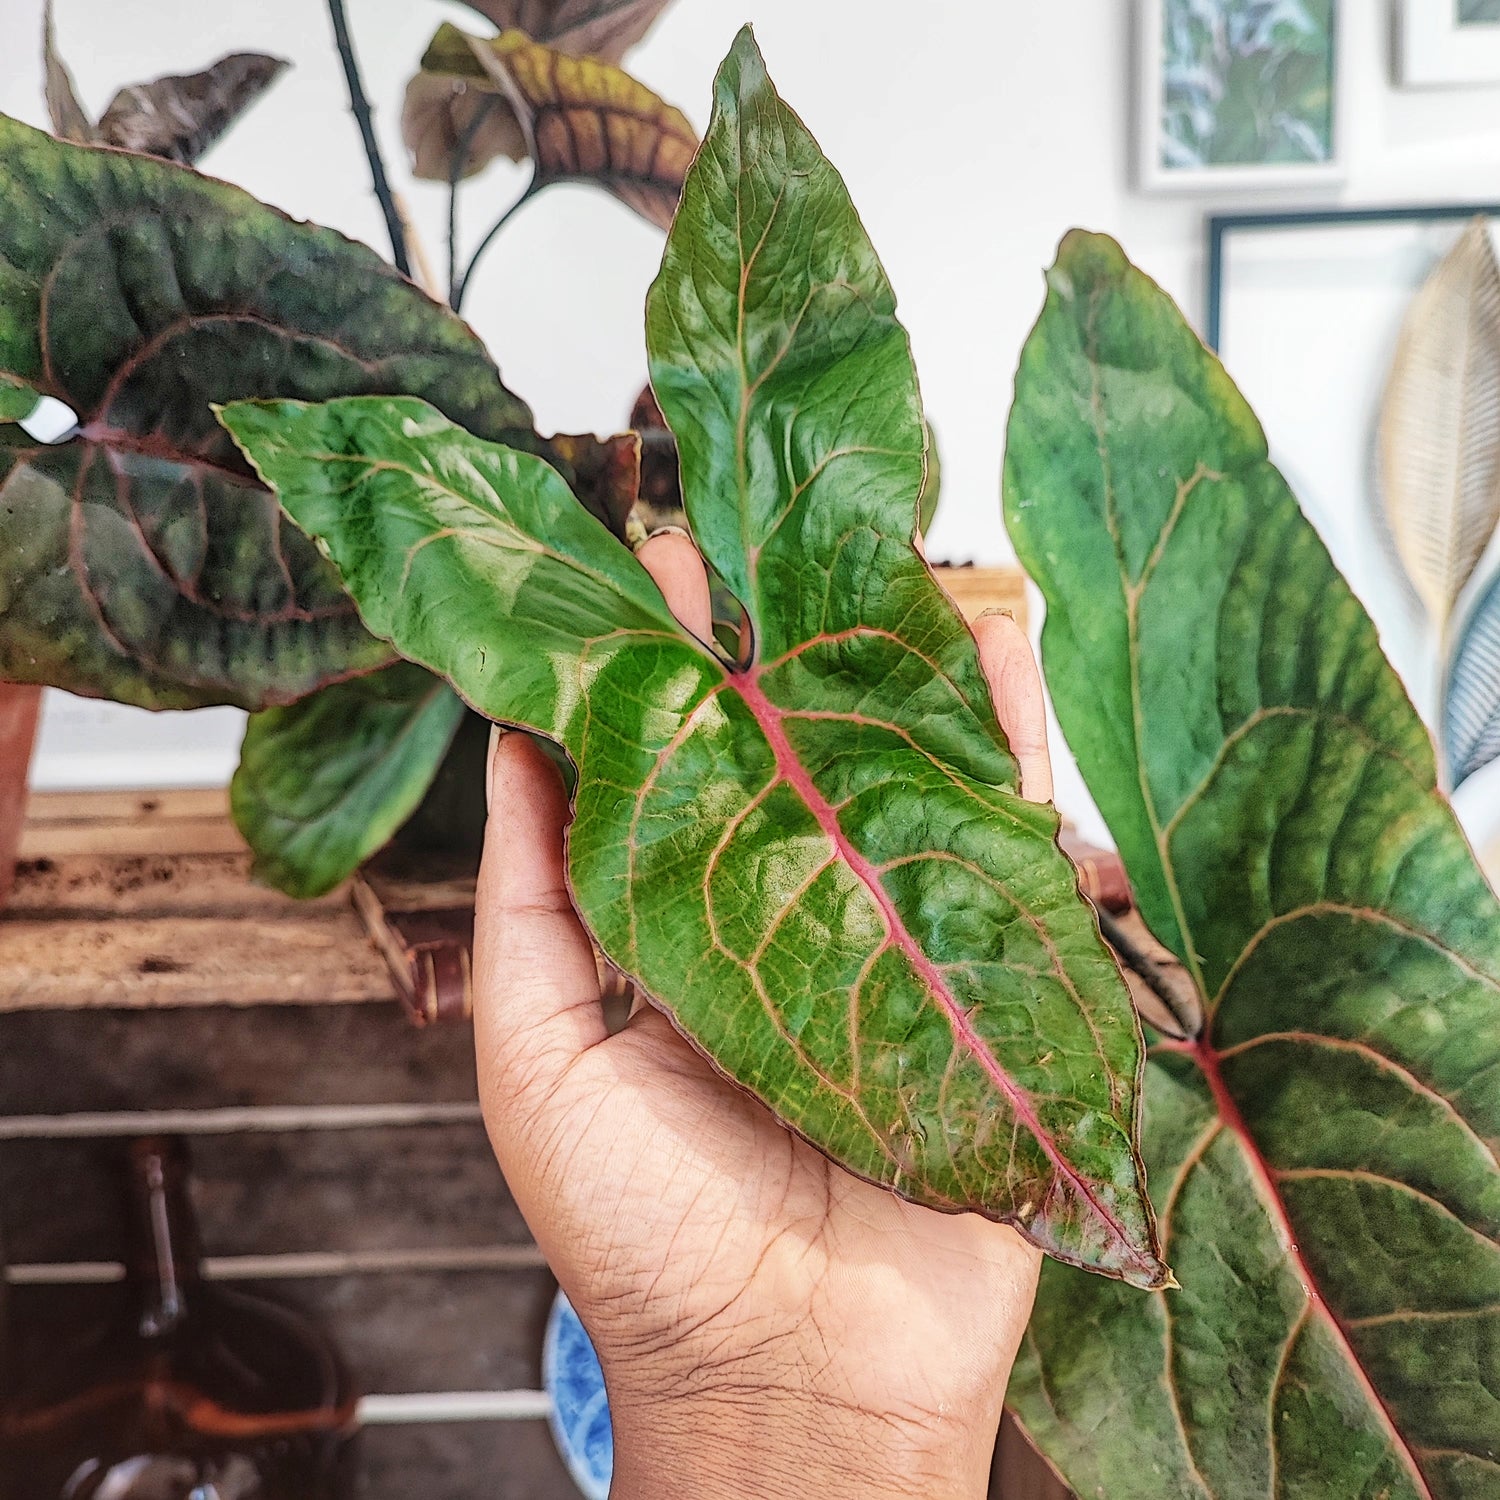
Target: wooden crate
340, 1161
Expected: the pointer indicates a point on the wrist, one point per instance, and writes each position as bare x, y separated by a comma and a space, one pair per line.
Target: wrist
757, 1444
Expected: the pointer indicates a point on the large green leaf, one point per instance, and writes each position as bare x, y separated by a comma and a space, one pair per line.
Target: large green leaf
817, 861
324, 783
1324, 1148
143, 561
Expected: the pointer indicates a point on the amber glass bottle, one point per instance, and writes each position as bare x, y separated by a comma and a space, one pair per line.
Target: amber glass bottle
192, 1392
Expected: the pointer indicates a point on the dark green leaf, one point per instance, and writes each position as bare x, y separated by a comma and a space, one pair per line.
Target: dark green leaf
143, 561
17, 400
1324, 1151
179, 117
1472, 702
606, 475
820, 863
324, 783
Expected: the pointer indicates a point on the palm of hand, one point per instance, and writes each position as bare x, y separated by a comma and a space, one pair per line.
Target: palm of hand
706, 1248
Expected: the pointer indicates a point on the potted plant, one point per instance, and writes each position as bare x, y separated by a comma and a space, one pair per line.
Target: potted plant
1318, 1101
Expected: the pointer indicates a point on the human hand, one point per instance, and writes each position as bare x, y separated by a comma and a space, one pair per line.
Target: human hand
769, 1325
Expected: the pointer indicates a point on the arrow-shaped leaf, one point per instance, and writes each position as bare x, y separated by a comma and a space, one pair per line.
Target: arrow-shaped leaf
324, 783
1440, 424
817, 861
143, 560
587, 121
1325, 1149
1472, 723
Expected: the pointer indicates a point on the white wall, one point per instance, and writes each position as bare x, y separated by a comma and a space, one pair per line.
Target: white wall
972, 134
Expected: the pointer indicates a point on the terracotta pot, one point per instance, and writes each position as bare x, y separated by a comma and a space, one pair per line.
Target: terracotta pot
19, 706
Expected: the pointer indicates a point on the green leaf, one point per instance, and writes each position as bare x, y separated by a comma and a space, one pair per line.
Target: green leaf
1324, 1150
818, 863
17, 400
142, 560
324, 783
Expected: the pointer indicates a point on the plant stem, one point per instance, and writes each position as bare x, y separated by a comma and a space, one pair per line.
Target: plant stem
457, 298
360, 105
456, 164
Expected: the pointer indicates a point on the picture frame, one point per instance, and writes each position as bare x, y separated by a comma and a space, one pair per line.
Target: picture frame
1196, 59
1449, 43
1306, 308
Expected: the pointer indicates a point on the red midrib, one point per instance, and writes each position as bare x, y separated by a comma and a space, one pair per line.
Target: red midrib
795, 774
1207, 1058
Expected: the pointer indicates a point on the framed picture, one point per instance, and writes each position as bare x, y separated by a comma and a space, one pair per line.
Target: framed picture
1306, 310
1240, 94
1445, 42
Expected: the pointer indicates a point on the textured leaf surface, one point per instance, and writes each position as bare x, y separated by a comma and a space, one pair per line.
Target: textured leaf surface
180, 116
819, 861
143, 560
324, 783
1324, 1153
1440, 424
1472, 721
587, 121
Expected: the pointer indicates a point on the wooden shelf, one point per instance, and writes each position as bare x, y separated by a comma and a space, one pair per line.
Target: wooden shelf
144, 899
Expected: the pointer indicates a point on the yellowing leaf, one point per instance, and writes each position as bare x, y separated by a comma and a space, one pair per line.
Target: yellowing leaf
586, 121
1440, 424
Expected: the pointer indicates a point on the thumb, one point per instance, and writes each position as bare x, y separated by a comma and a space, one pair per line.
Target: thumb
536, 986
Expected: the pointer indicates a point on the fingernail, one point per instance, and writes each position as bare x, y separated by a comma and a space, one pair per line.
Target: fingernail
996, 610
667, 531
497, 733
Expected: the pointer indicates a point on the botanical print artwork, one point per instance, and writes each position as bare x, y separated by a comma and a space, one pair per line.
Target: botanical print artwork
1478, 12
1249, 82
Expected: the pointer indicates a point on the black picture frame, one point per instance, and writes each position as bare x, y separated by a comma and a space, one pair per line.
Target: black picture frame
1221, 226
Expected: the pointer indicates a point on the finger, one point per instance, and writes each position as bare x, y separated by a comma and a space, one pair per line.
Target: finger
1016, 686
673, 561
536, 987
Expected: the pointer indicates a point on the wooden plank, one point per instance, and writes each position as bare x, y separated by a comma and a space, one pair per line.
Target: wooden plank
313, 957
126, 806
74, 1061
423, 1188
432, 1331
112, 887
975, 589
462, 1461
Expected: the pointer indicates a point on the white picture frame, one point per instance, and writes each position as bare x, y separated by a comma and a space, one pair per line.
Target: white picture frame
1440, 49
1155, 174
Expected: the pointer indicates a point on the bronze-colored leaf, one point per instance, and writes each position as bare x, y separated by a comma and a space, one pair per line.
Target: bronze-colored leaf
70, 121
587, 121
441, 112
180, 116
454, 110
606, 474
593, 28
